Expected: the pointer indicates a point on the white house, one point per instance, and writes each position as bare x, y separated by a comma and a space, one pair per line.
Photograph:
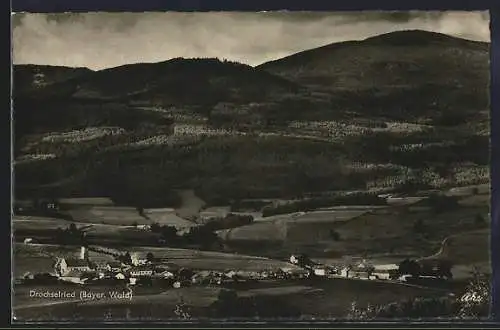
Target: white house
137, 260
78, 277
230, 274
320, 272
114, 266
345, 271
384, 272
165, 274
64, 266
141, 271
120, 276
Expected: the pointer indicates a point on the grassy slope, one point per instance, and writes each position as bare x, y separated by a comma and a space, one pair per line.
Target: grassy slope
381, 232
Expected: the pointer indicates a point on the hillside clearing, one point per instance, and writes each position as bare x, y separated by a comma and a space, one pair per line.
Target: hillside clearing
167, 217
191, 204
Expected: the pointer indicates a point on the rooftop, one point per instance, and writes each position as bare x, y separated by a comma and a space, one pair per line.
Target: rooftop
79, 274
140, 268
77, 262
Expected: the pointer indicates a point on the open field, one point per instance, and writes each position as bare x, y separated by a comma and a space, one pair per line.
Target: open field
212, 260
284, 227
33, 223
147, 307
45, 229
111, 215
191, 204
24, 265
215, 211
167, 217
482, 189
466, 248
91, 201
323, 299
476, 200
40, 258
337, 295
386, 230
328, 216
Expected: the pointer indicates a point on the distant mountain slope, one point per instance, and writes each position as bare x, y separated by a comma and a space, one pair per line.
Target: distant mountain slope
227, 92
406, 110
402, 73
30, 77
172, 82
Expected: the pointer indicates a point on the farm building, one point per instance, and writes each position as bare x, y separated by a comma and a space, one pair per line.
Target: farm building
112, 215
300, 260
320, 271
385, 272
141, 271
78, 277
202, 277
64, 266
138, 260
360, 270
120, 276
163, 273
345, 271
114, 266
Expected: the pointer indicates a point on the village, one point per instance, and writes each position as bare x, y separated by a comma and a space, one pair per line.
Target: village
150, 271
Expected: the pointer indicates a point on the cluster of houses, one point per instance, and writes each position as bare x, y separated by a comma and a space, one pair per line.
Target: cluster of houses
82, 270
428, 270
360, 270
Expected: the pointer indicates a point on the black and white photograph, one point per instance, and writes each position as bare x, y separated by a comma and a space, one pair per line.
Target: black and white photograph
250, 166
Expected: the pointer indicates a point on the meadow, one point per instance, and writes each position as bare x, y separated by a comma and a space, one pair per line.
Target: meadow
314, 299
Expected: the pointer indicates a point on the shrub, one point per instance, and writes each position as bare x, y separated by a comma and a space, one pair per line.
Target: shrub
473, 303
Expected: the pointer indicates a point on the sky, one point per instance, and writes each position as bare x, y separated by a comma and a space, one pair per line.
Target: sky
103, 40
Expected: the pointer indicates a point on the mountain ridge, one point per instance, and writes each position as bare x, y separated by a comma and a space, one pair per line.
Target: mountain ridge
400, 36
409, 115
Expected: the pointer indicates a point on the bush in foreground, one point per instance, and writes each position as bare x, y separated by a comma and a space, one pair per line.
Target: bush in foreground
473, 303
